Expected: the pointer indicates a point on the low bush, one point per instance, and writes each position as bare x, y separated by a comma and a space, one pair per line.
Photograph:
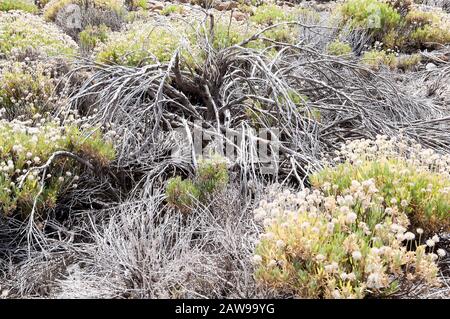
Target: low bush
24, 5
339, 48
91, 36
22, 31
26, 146
171, 9
408, 178
54, 6
145, 43
397, 23
211, 176
27, 89
323, 245
181, 194
377, 58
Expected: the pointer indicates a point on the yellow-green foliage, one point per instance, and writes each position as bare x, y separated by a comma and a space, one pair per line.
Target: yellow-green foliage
269, 14
408, 62
182, 194
21, 31
25, 89
339, 48
317, 244
93, 35
145, 43
415, 180
24, 5
411, 29
375, 59
24, 146
54, 6
171, 9
211, 176
134, 4
359, 12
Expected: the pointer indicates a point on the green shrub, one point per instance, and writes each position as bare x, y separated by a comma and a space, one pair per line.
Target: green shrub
269, 14
24, 5
323, 245
25, 89
91, 36
22, 31
408, 62
54, 6
375, 59
414, 180
145, 43
212, 175
24, 146
401, 25
171, 9
359, 12
339, 48
182, 194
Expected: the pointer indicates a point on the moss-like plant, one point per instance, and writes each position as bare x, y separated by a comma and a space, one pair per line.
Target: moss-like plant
24, 5
339, 48
21, 31
211, 176
181, 194
24, 146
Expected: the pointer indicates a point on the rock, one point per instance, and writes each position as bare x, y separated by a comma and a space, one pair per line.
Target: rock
226, 5
239, 16
431, 66
155, 6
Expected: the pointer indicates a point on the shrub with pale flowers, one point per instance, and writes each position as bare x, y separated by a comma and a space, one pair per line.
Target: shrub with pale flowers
319, 245
25, 145
407, 177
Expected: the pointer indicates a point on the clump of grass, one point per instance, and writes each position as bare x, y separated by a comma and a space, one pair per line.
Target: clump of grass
211, 176
91, 36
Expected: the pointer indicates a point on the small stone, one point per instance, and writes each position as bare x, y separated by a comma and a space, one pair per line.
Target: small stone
431, 66
239, 16
226, 5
